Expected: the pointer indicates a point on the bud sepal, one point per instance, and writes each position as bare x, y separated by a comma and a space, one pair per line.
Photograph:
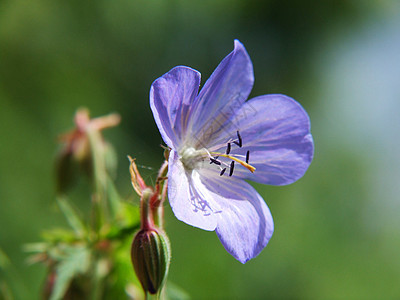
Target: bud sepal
151, 255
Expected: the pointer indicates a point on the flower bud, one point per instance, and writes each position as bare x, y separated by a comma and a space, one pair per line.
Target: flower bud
82, 145
71, 163
151, 256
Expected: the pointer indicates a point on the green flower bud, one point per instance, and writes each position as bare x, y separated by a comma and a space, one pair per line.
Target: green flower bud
151, 256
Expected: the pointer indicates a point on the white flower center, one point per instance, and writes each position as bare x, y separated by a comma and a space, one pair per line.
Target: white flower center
192, 158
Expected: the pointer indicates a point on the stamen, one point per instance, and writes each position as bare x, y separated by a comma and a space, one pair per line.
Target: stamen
239, 142
228, 148
231, 169
241, 159
244, 164
215, 161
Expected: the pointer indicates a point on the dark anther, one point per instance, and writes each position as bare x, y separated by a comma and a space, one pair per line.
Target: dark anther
239, 142
231, 169
228, 148
247, 156
215, 161
222, 172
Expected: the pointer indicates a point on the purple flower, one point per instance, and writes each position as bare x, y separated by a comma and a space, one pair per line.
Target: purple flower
218, 139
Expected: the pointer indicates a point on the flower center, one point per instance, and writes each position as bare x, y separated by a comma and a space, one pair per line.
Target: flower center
192, 158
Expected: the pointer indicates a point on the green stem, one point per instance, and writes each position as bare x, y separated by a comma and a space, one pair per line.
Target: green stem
100, 209
161, 189
146, 214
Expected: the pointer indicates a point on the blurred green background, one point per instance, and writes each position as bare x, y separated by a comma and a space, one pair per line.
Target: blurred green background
337, 230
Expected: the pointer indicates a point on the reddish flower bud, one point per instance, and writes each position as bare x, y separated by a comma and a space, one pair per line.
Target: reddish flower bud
151, 256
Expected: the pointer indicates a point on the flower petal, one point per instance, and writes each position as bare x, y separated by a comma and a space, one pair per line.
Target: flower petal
222, 95
170, 98
188, 197
276, 131
245, 223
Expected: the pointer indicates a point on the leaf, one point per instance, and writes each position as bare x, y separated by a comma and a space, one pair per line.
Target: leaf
72, 216
36, 247
125, 223
59, 235
76, 262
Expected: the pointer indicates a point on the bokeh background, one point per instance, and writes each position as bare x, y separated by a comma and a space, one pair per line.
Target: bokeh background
337, 230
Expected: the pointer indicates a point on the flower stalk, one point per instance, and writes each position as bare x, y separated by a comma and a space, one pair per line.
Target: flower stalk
157, 205
99, 202
150, 251
85, 146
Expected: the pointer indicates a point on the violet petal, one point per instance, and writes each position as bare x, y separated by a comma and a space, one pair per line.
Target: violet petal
188, 197
245, 223
223, 93
170, 98
276, 131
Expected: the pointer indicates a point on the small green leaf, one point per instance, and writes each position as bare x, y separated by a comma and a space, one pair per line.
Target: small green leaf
76, 262
36, 247
58, 235
72, 216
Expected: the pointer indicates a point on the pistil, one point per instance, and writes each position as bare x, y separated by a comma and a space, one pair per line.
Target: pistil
234, 158
243, 163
